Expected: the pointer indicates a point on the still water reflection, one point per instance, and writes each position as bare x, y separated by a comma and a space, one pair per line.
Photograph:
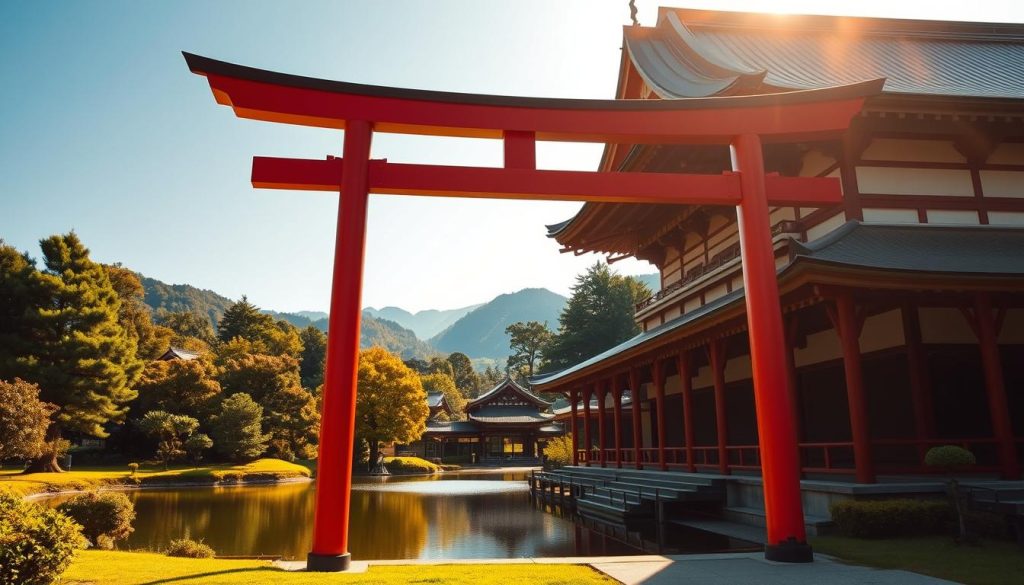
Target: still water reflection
451, 516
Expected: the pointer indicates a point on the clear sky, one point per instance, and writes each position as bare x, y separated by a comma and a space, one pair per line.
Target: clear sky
103, 130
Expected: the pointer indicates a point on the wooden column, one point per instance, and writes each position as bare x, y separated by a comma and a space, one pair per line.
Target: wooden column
574, 397
658, 373
686, 384
638, 431
617, 410
587, 438
848, 324
792, 333
920, 392
995, 387
716, 354
601, 443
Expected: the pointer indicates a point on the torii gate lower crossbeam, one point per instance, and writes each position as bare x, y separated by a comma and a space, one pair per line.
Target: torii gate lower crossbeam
361, 110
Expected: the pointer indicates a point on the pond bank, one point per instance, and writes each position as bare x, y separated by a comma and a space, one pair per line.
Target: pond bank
261, 471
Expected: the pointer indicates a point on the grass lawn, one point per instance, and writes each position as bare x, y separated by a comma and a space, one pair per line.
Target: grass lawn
129, 568
992, 562
93, 477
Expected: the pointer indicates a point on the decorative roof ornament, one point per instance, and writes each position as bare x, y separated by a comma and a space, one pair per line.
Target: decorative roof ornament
632, 13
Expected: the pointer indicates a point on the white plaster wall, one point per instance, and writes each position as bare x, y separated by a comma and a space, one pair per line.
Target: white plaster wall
715, 292
882, 331
673, 385
944, 325
1002, 183
872, 215
814, 163
738, 368
813, 233
703, 379
953, 216
671, 313
723, 243
1013, 327
782, 214
1006, 218
691, 304
821, 347
1007, 153
892, 149
652, 322
907, 181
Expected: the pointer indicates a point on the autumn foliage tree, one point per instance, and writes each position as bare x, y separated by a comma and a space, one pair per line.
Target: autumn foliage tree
179, 387
444, 384
23, 420
391, 404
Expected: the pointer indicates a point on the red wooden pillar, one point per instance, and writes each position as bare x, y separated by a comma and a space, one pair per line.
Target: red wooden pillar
658, 373
638, 431
587, 438
337, 425
848, 325
780, 463
601, 455
995, 387
924, 413
574, 398
716, 355
617, 412
686, 386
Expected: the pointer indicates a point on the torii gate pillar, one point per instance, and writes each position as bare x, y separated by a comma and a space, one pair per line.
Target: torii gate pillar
362, 110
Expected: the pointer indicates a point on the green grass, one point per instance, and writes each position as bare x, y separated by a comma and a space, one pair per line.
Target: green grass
130, 568
991, 562
95, 477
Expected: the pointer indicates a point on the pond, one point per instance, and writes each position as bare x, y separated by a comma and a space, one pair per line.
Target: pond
450, 516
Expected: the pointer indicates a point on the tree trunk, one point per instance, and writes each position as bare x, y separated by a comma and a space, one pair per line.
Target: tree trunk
47, 462
374, 450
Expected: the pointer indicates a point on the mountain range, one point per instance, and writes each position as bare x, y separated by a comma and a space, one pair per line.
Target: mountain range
476, 330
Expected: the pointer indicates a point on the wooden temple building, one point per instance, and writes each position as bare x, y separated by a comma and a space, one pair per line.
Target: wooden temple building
903, 305
508, 423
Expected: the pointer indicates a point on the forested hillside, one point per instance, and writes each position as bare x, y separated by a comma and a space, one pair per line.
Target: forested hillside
481, 333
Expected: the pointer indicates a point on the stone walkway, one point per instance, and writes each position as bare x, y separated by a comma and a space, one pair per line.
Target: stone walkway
711, 569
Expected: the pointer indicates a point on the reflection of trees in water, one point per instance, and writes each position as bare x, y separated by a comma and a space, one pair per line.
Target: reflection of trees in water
387, 525
234, 521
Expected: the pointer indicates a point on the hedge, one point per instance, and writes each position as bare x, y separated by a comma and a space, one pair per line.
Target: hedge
889, 518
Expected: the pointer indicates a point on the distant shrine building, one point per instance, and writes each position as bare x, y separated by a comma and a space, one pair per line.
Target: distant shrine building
903, 305
508, 423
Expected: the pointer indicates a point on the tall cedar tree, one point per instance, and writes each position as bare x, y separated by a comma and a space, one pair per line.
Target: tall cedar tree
314, 352
444, 384
527, 342
150, 340
188, 326
16, 275
237, 431
390, 403
23, 420
599, 315
81, 357
466, 378
244, 319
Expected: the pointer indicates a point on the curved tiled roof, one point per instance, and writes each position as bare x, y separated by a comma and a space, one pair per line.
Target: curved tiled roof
509, 415
696, 53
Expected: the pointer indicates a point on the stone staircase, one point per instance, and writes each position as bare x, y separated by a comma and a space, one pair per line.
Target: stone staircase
620, 494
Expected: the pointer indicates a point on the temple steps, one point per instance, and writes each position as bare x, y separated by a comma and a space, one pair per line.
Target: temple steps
619, 494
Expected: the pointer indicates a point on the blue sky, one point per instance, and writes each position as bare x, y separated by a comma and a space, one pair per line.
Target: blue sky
103, 130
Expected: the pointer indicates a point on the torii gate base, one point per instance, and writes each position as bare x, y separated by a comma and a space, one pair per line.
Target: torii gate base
740, 122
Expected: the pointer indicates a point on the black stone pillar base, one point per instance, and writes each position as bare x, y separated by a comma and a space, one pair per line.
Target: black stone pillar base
328, 563
790, 551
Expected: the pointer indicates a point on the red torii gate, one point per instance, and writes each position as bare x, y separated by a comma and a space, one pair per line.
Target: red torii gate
361, 110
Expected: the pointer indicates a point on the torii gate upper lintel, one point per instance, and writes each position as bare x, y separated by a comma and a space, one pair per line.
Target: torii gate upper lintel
740, 122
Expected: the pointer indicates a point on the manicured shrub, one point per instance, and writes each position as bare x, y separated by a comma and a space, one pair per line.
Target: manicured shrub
188, 548
133, 468
558, 452
105, 517
410, 465
36, 543
949, 457
888, 518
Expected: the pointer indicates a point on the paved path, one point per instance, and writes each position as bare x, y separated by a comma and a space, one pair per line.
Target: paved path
744, 568
712, 569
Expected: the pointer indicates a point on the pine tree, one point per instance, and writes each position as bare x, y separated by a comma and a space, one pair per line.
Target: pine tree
599, 315
527, 341
17, 272
466, 379
314, 352
237, 431
80, 356
134, 315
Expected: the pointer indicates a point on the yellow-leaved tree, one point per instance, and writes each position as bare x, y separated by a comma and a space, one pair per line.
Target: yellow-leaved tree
391, 404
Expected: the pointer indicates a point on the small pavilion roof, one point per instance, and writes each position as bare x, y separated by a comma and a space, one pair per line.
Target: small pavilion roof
508, 382
435, 399
176, 353
975, 251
